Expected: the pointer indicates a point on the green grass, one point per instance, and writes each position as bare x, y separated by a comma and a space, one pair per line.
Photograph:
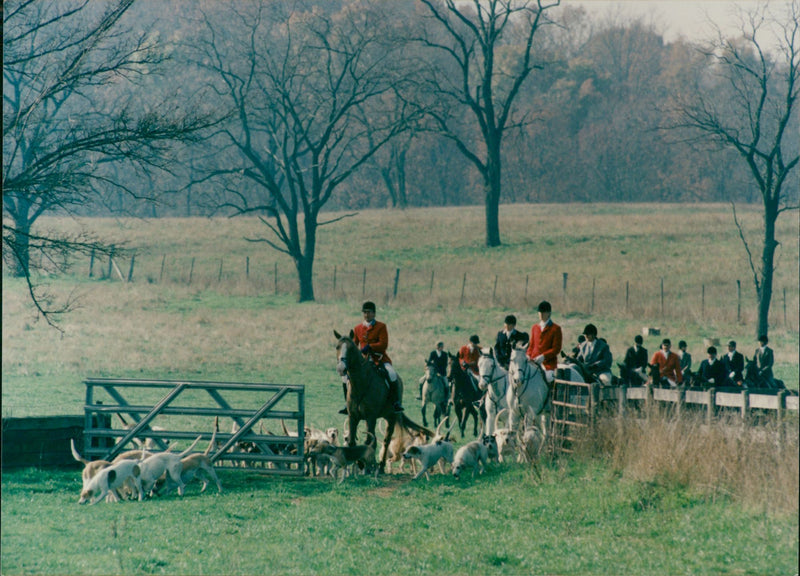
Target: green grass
578, 519
615, 514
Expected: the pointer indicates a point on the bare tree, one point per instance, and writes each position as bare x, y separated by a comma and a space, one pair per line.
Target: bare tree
299, 79
69, 115
750, 105
478, 39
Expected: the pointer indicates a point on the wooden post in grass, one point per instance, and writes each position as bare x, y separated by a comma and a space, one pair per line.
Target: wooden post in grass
703, 303
130, 270
110, 262
396, 282
781, 417
738, 300
191, 271
91, 264
463, 286
712, 398
623, 393
627, 297
364, 283
334, 280
784, 306
219, 277
430, 292
247, 267
526, 288
163, 261
564, 288
494, 290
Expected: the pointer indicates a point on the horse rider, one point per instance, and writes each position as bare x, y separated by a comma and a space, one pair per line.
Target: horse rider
595, 356
711, 372
545, 341
468, 356
372, 338
764, 359
438, 359
734, 365
633, 369
669, 365
507, 339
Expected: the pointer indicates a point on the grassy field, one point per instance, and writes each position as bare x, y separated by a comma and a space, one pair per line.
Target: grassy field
610, 511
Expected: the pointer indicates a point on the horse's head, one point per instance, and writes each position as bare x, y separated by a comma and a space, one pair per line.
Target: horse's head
346, 352
488, 369
518, 363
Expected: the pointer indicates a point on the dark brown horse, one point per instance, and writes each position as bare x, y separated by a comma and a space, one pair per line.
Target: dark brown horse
464, 394
368, 395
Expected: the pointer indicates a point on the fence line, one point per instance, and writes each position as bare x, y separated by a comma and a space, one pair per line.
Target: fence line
654, 300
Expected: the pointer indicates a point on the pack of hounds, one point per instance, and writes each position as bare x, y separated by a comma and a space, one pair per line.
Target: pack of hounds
142, 473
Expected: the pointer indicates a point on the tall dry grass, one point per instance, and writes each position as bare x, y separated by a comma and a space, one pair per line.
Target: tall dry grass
758, 467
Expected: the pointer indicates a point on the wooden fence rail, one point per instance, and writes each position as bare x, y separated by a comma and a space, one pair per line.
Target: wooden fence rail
577, 405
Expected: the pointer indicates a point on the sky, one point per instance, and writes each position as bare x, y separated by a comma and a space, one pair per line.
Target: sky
676, 18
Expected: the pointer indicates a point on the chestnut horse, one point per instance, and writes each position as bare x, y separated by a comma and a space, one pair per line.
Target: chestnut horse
368, 395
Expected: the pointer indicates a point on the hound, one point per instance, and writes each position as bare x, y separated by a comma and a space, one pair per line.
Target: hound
343, 457
191, 466
154, 466
475, 456
110, 479
438, 450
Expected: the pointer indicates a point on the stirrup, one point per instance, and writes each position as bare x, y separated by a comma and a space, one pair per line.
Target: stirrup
343, 411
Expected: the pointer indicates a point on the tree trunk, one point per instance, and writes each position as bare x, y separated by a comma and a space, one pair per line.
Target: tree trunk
305, 276
493, 187
767, 269
22, 251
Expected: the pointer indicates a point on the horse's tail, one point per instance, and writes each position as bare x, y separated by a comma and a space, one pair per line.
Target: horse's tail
410, 425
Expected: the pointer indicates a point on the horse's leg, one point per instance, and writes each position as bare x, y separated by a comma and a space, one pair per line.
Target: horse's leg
424, 412
352, 426
390, 423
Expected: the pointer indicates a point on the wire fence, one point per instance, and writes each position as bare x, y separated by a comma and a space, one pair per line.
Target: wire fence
656, 298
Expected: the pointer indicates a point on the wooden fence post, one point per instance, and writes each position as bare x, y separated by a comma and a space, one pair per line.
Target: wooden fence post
163, 261
681, 405
623, 392
91, 264
526, 288
781, 417
703, 303
130, 270
364, 283
247, 267
745, 405
430, 292
396, 282
463, 286
494, 290
219, 277
627, 297
110, 262
712, 398
191, 271
564, 288
738, 300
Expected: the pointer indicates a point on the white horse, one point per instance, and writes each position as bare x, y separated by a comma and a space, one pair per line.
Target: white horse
493, 379
528, 391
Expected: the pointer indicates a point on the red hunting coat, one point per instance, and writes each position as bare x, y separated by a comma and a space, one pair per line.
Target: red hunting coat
376, 337
669, 367
469, 358
546, 342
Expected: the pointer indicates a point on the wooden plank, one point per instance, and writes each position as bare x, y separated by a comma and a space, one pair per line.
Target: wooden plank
696, 397
793, 403
637, 393
729, 399
764, 401
666, 394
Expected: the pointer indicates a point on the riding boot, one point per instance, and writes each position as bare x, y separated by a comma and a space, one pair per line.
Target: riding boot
344, 389
394, 396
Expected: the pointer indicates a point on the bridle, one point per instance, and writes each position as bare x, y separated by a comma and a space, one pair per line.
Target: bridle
525, 376
489, 381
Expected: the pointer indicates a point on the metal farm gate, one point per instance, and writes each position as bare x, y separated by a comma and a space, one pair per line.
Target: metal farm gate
242, 416
573, 408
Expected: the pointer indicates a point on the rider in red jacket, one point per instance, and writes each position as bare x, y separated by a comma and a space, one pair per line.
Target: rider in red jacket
545, 341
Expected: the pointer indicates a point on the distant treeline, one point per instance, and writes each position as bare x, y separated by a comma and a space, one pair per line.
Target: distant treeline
590, 129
